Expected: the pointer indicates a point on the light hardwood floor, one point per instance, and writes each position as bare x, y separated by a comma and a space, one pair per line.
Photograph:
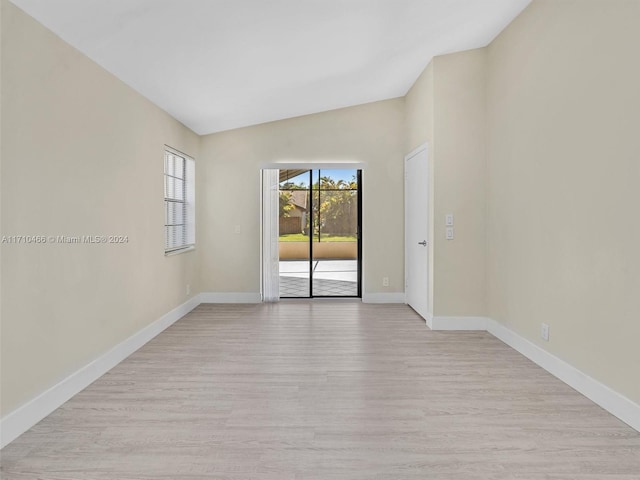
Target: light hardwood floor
324, 390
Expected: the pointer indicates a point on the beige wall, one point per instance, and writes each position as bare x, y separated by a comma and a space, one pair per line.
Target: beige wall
82, 154
2, 7
230, 163
563, 196
419, 105
460, 183
446, 108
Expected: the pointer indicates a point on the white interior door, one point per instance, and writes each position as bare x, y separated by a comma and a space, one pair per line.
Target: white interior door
417, 230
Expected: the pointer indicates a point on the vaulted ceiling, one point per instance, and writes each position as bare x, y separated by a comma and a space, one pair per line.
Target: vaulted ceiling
222, 64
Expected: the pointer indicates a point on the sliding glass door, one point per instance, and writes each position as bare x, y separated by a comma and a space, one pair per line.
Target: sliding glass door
319, 244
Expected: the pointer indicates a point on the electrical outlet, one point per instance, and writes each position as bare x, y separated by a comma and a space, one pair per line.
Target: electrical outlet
544, 332
188, 289
385, 281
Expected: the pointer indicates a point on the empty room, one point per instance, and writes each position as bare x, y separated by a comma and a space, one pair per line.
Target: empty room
320, 239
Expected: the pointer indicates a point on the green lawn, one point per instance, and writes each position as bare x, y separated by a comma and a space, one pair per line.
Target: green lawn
300, 237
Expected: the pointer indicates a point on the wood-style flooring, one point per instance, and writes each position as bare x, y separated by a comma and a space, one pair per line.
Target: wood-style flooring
324, 390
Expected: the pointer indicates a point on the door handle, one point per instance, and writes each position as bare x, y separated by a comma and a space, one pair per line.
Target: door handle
423, 243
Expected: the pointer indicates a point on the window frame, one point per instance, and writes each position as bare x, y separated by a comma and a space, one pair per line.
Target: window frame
187, 201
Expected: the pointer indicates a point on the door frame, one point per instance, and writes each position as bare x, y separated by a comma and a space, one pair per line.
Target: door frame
358, 169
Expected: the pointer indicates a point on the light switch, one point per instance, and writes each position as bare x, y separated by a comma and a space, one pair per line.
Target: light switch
236, 229
449, 233
448, 219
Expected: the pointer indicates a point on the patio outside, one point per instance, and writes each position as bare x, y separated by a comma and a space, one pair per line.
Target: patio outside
333, 278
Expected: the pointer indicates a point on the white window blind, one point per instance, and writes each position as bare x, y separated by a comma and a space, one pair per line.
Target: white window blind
179, 201
270, 253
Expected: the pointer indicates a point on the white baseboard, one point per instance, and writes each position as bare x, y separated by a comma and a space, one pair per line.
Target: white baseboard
457, 323
26, 416
429, 321
613, 402
230, 297
395, 297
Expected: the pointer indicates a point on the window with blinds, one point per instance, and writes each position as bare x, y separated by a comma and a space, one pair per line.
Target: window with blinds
179, 201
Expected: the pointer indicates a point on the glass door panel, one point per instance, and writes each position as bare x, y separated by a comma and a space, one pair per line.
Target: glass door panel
335, 233
293, 244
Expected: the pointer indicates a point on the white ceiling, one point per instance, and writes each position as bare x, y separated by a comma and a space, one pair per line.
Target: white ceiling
222, 64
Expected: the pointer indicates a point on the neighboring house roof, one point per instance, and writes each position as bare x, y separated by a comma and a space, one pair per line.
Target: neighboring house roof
299, 198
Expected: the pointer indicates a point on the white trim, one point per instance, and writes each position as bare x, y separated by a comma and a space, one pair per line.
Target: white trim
416, 151
26, 416
177, 251
457, 323
230, 297
429, 320
383, 297
175, 151
613, 402
285, 165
